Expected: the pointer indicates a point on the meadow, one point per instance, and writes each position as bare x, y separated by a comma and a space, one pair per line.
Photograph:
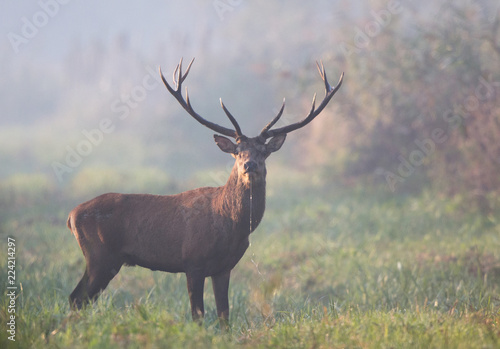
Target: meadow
329, 267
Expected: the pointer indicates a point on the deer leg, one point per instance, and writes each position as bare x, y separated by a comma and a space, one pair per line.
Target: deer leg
79, 294
101, 271
98, 274
220, 285
195, 285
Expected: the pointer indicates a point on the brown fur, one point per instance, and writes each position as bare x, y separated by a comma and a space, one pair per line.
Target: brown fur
202, 232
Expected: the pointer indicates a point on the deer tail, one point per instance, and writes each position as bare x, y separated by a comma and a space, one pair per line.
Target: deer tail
68, 223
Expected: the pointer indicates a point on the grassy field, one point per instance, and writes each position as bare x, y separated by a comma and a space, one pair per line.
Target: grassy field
327, 268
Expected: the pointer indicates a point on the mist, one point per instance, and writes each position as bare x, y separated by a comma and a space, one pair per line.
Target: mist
80, 86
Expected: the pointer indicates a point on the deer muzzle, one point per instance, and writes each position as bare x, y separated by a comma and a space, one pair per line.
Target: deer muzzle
250, 167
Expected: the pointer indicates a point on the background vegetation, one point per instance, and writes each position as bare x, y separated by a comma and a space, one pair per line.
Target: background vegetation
381, 227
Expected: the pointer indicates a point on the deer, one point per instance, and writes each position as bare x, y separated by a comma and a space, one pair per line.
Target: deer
202, 232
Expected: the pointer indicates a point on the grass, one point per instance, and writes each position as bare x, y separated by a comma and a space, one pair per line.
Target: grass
327, 268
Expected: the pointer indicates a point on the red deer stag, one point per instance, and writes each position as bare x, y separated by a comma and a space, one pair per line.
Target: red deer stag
202, 232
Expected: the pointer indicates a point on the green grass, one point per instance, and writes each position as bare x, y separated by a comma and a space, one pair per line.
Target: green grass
326, 268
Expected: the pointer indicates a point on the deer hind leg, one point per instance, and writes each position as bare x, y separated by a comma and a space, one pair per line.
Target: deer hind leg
79, 295
98, 274
195, 285
100, 277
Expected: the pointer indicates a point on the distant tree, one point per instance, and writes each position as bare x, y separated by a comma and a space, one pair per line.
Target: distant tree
420, 105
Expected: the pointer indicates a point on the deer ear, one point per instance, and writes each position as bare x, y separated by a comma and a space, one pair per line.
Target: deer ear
225, 144
275, 143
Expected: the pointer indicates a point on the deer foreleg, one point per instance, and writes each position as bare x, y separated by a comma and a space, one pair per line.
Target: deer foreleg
220, 285
195, 285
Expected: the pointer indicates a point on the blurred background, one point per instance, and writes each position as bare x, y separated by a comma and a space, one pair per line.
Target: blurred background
83, 110
385, 210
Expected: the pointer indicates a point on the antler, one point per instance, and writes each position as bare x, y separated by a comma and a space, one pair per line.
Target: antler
329, 92
179, 78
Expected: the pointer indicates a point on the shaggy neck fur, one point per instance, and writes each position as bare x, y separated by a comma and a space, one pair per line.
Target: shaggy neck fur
235, 201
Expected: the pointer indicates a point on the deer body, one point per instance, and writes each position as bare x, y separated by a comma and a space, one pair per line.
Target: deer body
152, 230
202, 232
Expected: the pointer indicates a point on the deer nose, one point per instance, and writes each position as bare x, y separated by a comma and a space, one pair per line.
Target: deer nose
250, 166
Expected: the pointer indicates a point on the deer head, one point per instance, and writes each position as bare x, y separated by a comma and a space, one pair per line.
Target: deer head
250, 153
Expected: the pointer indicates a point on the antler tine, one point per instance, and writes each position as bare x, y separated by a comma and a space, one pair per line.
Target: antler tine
187, 100
329, 92
322, 73
313, 104
186, 104
232, 119
169, 88
178, 80
174, 78
187, 70
275, 120
178, 77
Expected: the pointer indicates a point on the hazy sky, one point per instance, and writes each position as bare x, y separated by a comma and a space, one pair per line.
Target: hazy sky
38, 37
58, 24
62, 69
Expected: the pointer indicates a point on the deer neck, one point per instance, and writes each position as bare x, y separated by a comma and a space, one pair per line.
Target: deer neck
243, 202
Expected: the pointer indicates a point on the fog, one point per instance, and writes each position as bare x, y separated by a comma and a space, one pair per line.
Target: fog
80, 84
